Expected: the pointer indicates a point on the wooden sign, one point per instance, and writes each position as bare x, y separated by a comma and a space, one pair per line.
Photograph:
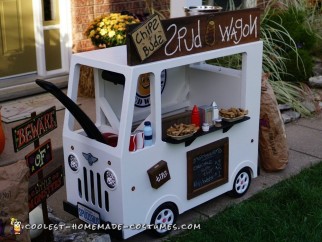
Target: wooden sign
45, 187
149, 37
207, 167
199, 33
39, 157
159, 174
38, 126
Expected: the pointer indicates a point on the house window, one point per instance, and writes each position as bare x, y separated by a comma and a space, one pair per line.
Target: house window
50, 11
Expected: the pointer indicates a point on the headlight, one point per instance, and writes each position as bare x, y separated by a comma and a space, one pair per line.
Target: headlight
73, 162
110, 179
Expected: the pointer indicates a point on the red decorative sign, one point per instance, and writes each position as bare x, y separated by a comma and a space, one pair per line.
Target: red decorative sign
39, 157
38, 126
45, 188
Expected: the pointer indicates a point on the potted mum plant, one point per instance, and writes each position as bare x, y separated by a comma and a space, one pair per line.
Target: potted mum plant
109, 30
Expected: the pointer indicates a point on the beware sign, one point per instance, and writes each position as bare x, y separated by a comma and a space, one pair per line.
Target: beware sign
38, 126
39, 157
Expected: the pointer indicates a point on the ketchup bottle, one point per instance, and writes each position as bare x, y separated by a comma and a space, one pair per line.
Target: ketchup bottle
195, 117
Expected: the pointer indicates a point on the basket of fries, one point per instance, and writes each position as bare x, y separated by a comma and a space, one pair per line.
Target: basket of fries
182, 131
232, 114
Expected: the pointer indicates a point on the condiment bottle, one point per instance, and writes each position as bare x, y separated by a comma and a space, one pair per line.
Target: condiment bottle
215, 111
147, 133
195, 117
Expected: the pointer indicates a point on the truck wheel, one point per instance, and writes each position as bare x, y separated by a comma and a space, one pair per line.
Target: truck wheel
241, 183
163, 219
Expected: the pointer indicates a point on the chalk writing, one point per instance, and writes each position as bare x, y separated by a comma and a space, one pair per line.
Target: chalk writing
161, 176
207, 167
179, 37
238, 29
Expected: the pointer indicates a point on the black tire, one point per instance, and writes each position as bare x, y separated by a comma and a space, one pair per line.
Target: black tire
163, 219
241, 183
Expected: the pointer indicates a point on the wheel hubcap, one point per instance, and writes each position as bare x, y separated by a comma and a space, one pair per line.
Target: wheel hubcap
242, 182
164, 219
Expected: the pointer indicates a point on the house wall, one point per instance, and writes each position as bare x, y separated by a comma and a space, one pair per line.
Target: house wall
84, 11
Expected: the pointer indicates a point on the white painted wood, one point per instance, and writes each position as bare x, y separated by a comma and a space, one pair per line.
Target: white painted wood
189, 81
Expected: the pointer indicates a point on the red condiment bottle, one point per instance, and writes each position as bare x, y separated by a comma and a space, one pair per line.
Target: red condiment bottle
195, 117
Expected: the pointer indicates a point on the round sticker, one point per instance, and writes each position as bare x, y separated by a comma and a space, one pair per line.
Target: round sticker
142, 98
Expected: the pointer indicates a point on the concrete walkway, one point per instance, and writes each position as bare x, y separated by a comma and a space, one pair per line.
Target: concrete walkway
305, 148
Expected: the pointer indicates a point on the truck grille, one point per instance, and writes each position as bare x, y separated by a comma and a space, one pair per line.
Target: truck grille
89, 180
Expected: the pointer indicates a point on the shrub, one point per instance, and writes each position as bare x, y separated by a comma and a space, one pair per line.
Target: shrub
298, 71
298, 64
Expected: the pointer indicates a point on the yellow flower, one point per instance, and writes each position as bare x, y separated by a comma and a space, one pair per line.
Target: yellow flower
103, 32
111, 34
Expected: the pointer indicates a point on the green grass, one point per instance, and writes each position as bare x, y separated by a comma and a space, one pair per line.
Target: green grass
289, 211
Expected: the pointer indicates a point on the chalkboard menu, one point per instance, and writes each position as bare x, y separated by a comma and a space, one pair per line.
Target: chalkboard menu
207, 167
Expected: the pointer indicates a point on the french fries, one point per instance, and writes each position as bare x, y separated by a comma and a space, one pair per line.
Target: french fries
182, 129
232, 112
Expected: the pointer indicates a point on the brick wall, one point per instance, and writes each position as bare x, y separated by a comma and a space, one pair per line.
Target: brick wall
84, 11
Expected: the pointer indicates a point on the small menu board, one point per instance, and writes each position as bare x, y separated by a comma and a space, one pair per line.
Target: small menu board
207, 167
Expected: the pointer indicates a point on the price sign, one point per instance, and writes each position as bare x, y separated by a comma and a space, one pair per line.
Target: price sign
39, 157
159, 174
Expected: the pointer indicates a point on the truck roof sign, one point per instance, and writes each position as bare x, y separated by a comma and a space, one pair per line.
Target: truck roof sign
198, 33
